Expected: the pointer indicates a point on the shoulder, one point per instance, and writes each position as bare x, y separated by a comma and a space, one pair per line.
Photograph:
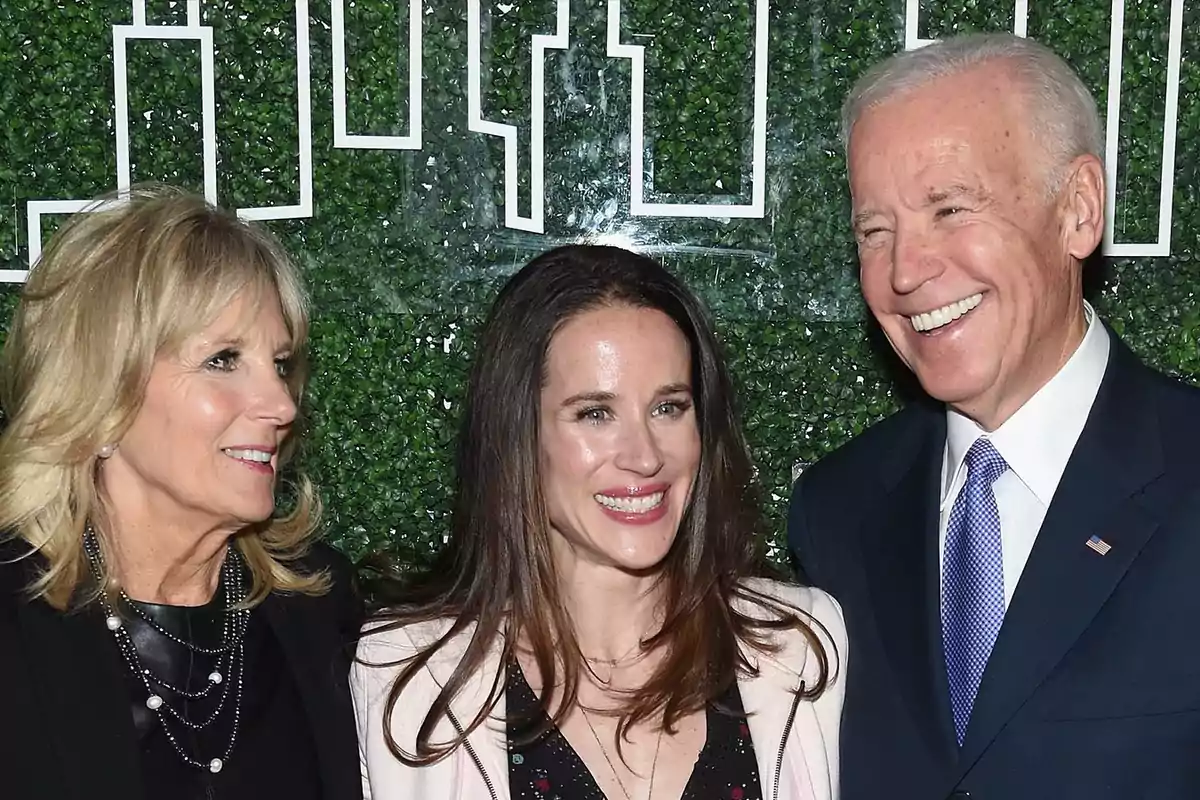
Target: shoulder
816, 607
1136, 392
19, 567
382, 640
895, 436
812, 601
322, 557
342, 600
384, 651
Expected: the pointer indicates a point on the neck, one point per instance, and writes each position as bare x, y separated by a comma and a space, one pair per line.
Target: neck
168, 565
613, 611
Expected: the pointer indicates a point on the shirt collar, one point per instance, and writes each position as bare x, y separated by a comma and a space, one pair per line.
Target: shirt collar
1038, 439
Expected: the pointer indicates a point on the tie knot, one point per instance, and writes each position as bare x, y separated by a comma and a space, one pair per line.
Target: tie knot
984, 462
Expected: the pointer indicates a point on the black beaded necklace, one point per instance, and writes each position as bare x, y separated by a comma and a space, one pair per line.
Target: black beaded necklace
231, 665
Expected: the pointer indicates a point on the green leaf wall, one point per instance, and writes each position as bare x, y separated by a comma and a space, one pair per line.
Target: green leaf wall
405, 248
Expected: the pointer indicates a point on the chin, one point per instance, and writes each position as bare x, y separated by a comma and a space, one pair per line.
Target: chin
254, 514
642, 557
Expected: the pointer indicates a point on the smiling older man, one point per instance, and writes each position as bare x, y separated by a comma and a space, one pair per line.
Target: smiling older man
1017, 562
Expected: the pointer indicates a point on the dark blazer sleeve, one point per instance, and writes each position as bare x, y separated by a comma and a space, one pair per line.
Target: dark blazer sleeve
344, 597
801, 539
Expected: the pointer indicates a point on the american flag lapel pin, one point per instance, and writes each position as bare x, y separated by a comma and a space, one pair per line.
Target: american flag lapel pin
1099, 545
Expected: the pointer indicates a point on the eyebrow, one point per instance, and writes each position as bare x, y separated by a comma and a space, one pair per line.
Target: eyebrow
860, 219
239, 343
589, 397
941, 195
608, 397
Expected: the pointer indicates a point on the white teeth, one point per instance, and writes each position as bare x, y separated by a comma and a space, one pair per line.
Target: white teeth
944, 315
261, 456
631, 505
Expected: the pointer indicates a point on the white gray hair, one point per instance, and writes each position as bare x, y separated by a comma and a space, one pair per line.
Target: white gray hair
1062, 112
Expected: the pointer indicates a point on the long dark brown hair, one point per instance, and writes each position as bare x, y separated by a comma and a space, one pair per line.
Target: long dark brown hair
496, 572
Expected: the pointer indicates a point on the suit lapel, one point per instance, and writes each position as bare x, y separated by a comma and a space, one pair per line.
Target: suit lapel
900, 556
1065, 583
316, 657
79, 683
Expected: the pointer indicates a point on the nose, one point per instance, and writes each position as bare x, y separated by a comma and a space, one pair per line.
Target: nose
915, 261
275, 403
639, 450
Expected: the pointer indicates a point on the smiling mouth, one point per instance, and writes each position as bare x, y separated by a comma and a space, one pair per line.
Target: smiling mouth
631, 505
249, 455
941, 317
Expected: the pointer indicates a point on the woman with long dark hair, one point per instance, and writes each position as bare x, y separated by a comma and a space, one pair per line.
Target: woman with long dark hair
597, 625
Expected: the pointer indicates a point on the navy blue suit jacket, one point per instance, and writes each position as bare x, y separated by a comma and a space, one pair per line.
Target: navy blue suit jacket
1092, 690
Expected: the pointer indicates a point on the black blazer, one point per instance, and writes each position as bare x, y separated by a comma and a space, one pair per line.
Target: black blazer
1093, 686
66, 732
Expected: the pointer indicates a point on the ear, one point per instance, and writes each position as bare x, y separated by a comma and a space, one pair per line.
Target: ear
1082, 204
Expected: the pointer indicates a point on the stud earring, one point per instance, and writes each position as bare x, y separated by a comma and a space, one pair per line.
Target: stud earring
106, 450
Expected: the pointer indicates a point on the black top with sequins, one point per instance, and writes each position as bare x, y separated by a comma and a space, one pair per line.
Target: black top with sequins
550, 769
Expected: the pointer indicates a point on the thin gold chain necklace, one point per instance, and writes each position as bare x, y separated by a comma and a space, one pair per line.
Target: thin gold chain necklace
612, 767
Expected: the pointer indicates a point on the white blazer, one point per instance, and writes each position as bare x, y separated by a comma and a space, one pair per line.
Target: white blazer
795, 741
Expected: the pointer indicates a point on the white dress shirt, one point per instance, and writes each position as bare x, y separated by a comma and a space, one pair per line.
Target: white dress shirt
1036, 442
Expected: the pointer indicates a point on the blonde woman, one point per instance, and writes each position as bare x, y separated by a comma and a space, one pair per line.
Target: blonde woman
163, 633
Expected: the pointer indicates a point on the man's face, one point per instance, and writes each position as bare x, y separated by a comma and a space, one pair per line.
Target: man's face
970, 264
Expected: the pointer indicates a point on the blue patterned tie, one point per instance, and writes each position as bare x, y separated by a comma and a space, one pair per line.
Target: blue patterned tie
972, 581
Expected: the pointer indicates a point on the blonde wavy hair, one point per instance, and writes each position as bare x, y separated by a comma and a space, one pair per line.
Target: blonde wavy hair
119, 286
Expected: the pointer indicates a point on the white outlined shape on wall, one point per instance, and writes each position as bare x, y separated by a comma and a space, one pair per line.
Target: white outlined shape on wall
342, 139
912, 21
36, 209
1162, 246
536, 221
638, 206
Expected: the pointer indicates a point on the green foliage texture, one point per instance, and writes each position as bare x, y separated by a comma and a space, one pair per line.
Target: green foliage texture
406, 248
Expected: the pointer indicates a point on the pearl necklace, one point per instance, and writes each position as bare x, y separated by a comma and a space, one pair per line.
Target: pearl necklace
230, 668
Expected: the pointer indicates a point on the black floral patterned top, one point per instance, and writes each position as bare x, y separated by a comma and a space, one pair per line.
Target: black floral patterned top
550, 769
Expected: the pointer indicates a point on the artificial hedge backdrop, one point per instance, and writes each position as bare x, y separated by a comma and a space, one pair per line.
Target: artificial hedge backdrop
406, 248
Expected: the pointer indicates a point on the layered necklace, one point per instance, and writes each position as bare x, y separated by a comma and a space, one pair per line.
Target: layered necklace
227, 676
630, 656
612, 765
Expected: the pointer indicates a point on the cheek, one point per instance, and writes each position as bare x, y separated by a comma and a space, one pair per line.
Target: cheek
686, 450
571, 454
874, 280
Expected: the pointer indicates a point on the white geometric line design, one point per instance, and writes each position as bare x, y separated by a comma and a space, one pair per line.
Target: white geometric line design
123, 33
1161, 247
304, 116
35, 209
342, 139
636, 54
193, 13
541, 42
33, 227
912, 14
